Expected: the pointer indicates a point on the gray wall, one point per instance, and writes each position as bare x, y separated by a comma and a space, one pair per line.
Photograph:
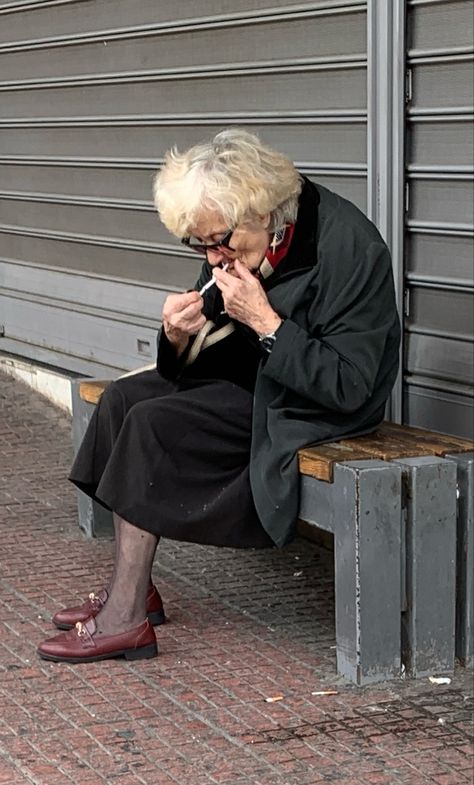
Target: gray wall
91, 96
92, 93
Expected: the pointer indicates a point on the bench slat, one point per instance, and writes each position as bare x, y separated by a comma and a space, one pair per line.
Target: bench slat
386, 447
389, 442
92, 390
439, 443
319, 461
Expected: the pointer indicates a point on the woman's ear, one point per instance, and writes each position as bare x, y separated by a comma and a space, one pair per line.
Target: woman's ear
265, 220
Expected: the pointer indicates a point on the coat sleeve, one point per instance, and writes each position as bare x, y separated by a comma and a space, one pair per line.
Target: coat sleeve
168, 364
335, 360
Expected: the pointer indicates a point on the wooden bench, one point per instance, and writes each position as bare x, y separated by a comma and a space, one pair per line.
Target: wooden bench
399, 504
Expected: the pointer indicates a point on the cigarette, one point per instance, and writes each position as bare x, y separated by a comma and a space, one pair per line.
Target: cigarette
211, 282
325, 692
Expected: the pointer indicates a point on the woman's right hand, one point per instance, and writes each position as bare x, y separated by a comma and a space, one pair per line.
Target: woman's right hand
182, 317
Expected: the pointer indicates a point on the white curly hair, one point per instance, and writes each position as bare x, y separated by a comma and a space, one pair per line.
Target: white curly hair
235, 174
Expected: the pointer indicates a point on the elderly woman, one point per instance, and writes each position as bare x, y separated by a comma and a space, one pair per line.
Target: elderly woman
289, 337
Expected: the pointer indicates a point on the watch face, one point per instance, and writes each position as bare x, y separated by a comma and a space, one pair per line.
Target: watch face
267, 342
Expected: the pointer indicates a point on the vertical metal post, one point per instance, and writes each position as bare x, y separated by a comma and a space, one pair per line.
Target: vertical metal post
465, 559
362, 508
94, 520
429, 618
367, 542
385, 141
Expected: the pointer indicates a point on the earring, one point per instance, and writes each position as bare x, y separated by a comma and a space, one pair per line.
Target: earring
277, 238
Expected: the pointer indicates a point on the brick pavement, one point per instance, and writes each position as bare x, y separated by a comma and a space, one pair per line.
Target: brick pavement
244, 626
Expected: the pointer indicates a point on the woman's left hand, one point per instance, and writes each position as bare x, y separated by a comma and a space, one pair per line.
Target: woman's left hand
245, 299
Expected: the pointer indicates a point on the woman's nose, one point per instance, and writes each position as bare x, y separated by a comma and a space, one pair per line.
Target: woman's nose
215, 256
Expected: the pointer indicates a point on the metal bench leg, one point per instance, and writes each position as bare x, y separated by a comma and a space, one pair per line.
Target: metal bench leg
367, 543
465, 559
430, 509
362, 508
94, 520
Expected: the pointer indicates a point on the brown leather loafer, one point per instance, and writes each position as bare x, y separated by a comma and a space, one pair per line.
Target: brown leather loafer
68, 617
83, 644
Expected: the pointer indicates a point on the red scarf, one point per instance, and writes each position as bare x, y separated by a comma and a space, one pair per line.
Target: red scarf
277, 250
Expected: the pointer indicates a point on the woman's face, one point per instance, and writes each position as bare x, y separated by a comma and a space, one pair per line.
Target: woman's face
248, 243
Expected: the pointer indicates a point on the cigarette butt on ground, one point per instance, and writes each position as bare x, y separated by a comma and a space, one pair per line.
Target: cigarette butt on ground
274, 699
325, 692
440, 680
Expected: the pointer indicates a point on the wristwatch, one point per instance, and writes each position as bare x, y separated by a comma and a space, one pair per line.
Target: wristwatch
267, 341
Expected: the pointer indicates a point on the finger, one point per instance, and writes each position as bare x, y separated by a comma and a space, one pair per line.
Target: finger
191, 296
190, 319
243, 271
221, 275
177, 302
192, 327
182, 322
191, 300
185, 298
196, 326
225, 284
191, 308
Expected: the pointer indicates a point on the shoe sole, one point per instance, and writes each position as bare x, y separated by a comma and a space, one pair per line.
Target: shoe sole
143, 653
156, 618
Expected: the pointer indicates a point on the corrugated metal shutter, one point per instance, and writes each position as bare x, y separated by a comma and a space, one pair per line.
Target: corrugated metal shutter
438, 389
93, 92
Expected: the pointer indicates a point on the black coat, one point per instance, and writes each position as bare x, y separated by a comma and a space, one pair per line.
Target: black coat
335, 359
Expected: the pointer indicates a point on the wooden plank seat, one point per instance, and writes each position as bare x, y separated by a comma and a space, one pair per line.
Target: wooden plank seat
398, 502
91, 390
387, 443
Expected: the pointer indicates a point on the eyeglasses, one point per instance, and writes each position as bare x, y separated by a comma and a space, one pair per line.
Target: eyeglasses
202, 248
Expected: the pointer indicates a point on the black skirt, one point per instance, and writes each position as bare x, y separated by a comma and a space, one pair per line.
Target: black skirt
172, 458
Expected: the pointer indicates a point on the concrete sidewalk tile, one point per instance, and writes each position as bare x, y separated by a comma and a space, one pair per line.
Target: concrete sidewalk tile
242, 629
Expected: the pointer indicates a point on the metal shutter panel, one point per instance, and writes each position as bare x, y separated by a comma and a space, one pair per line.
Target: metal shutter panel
87, 111
439, 361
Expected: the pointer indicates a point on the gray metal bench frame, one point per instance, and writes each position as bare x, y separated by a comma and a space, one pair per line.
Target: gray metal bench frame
403, 549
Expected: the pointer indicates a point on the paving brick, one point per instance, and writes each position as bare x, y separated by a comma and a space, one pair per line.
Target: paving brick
242, 628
